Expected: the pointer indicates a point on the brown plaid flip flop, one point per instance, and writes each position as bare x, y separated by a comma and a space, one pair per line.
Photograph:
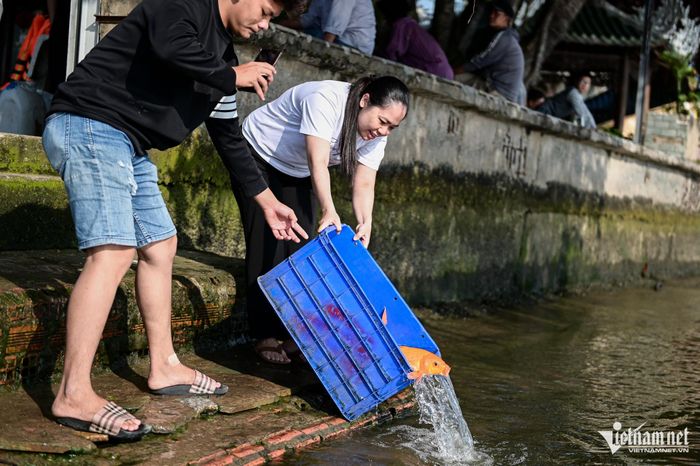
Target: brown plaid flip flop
108, 420
203, 385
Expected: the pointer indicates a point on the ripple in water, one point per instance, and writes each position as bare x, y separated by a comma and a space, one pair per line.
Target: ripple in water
450, 442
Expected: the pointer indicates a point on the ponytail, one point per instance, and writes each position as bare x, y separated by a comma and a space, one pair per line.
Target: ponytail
382, 92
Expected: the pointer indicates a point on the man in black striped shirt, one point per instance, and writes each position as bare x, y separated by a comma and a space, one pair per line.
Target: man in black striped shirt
165, 69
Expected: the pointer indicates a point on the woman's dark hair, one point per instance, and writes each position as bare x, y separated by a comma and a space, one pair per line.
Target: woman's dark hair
577, 77
383, 91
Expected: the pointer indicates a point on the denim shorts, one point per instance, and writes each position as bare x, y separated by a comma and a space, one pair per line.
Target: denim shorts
113, 193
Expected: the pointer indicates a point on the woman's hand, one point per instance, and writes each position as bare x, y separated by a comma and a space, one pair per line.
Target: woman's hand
329, 218
363, 232
255, 74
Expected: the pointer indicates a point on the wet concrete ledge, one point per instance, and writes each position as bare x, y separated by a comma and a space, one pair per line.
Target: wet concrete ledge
269, 411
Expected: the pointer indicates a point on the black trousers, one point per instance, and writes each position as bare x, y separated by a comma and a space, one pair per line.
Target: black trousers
263, 251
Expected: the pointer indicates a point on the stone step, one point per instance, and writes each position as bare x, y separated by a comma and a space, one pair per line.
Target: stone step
34, 291
34, 213
268, 411
23, 154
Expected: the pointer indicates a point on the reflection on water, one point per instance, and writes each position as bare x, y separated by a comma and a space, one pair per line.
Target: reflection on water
536, 383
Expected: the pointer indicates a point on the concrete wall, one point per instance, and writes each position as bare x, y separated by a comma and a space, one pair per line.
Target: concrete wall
480, 198
477, 198
674, 135
114, 8
692, 148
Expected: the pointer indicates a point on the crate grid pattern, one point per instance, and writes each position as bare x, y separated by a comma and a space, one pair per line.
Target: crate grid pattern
337, 327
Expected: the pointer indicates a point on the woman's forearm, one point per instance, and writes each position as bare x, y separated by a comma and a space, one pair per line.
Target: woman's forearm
318, 152
363, 194
363, 202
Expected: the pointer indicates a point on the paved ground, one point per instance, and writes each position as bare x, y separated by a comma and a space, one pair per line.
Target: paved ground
268, 411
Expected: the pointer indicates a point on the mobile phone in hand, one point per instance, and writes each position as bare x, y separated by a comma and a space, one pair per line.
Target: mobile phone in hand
269, 56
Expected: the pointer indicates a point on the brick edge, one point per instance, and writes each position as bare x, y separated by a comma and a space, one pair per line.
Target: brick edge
277, 444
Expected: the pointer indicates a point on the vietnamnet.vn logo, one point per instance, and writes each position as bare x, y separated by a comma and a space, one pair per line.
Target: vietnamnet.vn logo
638, 441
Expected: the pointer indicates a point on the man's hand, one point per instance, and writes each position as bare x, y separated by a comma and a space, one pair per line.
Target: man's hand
255, 74
280, 218
283, 223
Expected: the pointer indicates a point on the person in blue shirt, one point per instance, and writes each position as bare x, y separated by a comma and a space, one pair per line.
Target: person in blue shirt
344, 22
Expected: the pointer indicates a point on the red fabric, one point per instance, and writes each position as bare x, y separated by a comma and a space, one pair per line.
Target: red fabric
41, 25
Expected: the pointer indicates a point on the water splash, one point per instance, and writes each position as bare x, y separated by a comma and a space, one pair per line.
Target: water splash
439, 407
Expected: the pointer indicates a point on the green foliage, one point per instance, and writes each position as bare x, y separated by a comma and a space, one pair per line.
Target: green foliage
614, 131
685, 73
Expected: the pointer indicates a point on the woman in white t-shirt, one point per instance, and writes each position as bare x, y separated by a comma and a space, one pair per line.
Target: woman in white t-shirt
295, 138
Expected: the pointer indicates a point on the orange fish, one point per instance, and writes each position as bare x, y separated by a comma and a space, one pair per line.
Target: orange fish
421, 361
424, 363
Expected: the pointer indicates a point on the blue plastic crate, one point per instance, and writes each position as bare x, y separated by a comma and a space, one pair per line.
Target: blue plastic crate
331, 295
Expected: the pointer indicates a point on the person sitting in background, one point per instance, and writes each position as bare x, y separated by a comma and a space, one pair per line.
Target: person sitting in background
535, 99
501, 65
409, 43
343, 22
569, 103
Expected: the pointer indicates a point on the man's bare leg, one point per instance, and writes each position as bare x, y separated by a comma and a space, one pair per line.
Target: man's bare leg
154, 298
88, 308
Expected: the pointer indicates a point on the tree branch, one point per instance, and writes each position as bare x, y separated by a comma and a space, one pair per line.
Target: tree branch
553, 26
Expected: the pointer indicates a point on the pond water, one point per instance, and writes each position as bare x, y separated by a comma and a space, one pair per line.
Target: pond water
536, 383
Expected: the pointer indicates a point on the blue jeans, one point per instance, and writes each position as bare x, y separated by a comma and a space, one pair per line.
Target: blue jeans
113, 192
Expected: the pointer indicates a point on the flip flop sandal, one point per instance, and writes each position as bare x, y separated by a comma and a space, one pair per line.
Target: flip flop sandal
272, 349
108, 420
203, 385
